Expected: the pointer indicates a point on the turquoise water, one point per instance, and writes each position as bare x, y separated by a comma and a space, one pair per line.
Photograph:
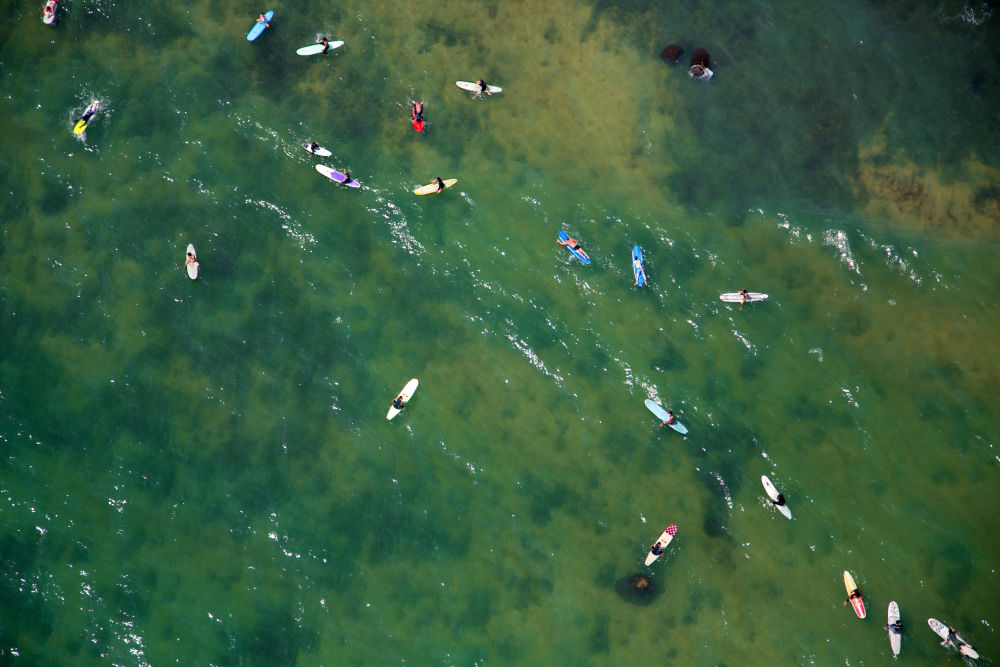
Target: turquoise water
201, 472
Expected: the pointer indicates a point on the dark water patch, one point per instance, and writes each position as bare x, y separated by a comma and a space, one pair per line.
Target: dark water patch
531, 591
478, 610
637, 589
275, 637
671, 359
599, 636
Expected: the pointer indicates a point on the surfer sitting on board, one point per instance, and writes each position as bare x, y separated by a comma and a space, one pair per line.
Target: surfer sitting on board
952, 638
780, 500
398, 403
191, 260
895, 628
325, 42
347, 176
440, 184
263, 19
746, 296
483, 88
855, 595
671, 419
313, 146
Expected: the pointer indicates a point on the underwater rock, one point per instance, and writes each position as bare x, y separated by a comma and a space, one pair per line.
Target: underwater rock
636, 588
700, 57
672, 53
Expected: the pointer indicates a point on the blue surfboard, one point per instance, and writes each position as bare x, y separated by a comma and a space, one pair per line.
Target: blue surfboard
640, 273
259, 27
578, 251
662, 415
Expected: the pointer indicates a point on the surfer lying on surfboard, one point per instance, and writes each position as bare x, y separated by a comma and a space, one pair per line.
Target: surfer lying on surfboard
573, 244
417, 115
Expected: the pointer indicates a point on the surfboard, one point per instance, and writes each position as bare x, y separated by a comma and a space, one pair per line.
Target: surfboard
663, 540
81, 125
418, 125
259, 27
405, 394
321, 152
580, 254
335, 175
474, 87
314, 49
658, 410
49, 12
192, 267
857, 603
965, 648
704, 76
772, 493
736, 297
640, 273
895, 639
431, 188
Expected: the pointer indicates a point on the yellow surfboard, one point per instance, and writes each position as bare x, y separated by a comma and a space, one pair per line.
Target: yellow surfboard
80, 127
431, 188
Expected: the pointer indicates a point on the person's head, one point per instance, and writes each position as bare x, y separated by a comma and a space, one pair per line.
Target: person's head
190, 254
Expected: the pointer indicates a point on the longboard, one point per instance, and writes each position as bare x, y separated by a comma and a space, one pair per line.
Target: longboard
320, 152
772, 493
474, 87
640, 273
965, 648
431, 188
895, 639
315, 49
663, 540
49, 12
658, 410
336, 176
259, 27
580, 254
81, 125
857, 603
192, 267
736, 297
405, 394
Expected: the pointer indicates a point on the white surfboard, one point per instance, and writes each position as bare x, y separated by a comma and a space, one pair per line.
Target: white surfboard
474, 87
772, 493
320, 151
192, 267
49, 12
965, 648
665, 538
314, 49
736, 297
404, 396
895, 639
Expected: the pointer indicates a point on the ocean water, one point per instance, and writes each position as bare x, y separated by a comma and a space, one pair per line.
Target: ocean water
200, 472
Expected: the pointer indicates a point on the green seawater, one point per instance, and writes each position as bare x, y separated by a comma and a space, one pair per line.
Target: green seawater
201, 472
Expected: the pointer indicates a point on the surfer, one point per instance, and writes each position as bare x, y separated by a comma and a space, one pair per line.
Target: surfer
313, 146
575, 245
89, 113
855, 595
398, 403
671, 419
745, 294
416, 111
263, 19
440, 184
50, 9
657, 550
779, 501
483, 88
325, 42
191, 260
347, 176
637, 265
952, 638
895, 628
